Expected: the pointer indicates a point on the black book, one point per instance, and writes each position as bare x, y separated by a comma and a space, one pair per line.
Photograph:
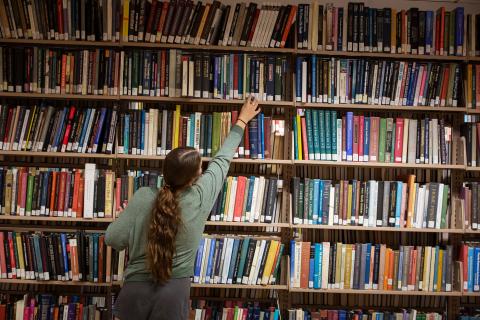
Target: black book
236, 261
271, 199
356, 266
340, 30
350, 23
392, 204
380, 35
414, 28
356, 8
279, 25
249, 260
299, 21
380, 203
262, 263
387, 29
333, 263
263, 211
169, 20
223, 26
374, 42
206, 77
209, 21
320, 27
247, 25
361, 27
421, 31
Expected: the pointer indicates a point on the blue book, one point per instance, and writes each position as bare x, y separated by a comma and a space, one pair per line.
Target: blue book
459, 19
295, 139
476, 282
243, 255
38, 258
63, 240
366, 139
316, 195
342, 315
398, 205
319, 198
235, 248
370, 27
298, 80
314, 77
311, 266
349, 137
101, 121
412, 85
333, 127
253, 136
276, 314
95, 257
292, 261
192, 130
368, 256
435, 271
240, 72
198, 261
317, 267
251, 182
309, 128
261, 140
316, 135
270, 77
58, 137
428, 30
470, 268
208, 274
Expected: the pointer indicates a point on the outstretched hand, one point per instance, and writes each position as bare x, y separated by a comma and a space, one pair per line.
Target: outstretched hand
249, 110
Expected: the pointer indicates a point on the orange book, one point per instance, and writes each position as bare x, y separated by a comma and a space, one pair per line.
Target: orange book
288, 26
53, 192
386, 271
55, 313
239, 198
74, 259
477, 86
108, 264
81, 188
101, 255
64, 71
391, 269
161, 22
79, 311
61, 192
413, 259
305, 265
411, 200
118, 200
304, 138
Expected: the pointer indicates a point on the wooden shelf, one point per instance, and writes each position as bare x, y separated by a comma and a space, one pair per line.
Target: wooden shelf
378, 229
56, 283
472, 111
470, 294
205, 159
201, 100
157, 45
379, 292
374, 107
470, 231
57, 154
386, 55
470, 168
53, 96
60, 43
246, 224
380, 165
55, 219
239, 286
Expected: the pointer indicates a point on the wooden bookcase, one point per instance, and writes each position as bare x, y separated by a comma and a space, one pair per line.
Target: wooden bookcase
286, 297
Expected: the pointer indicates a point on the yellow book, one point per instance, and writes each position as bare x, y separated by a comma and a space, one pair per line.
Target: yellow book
21, 260
469, 86
349, 204
438, 285
348, 266
299, 137
272, 252
433, 254
130, 187
109, 178
411, 200
202, 23
125, 18
33, 117
426, 266
393, 39
8, 193
338, 269
176, 127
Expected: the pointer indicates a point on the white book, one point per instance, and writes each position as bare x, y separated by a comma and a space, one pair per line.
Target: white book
261, 191
325, 264
259, 250
226, 257
22, 134
399, 83
438, 215
191, 68
374, 86
250, 215
372, 204
412, 141
205, 255
89, 190
311, 22
196, 143
146, 129
297, 265
331, 206
425, 208
224, 41
269, 29
304, 82
164, 150
121, 263
260, 22
343, 250
231, 200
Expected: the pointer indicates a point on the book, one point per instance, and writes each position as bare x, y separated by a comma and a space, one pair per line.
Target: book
469, 255
383, 276
384, 142
232, 309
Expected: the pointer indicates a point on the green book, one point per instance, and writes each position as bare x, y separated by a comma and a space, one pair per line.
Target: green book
243, 256
321, 129
316, 136
443, 222
274, 275
28, 206
333, 127
328, 136
308, 122
217, 124
247, 75
381, 140
310, 199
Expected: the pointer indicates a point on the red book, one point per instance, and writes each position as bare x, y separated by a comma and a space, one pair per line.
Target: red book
374, 125
101, 255
443, 93
361, 129
355, 137
81, 188
12, 255
464, 259
267, 123
441, 30
60, 16
3, 311
235, 75
288, 25
239, 198
305, 265
3, 262
118, 200
254, 25
246, 143
413, 258
162, 18
153, 10
398, 140
71, 115
304, 138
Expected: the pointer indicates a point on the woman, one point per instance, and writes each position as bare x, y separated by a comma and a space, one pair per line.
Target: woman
162, 229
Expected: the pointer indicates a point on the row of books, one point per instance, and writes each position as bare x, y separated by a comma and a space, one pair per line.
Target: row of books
472, 86
237, 260
57, 192
469, 195
361, 28
176, 73
249, 199
153, 131
470, 258
50, 307
371, 203
186, 22
379, 82
169, 73
321, 135
77, 256
235, 311
342, 314
471, 132
67, 20
366, 266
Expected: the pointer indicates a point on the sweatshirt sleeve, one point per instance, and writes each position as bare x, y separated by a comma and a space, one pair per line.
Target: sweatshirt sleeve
118, 232
211, 181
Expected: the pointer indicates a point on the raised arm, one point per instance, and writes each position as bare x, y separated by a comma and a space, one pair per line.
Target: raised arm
211, 181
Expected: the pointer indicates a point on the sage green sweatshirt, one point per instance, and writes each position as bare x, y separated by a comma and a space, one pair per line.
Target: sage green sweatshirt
196, 202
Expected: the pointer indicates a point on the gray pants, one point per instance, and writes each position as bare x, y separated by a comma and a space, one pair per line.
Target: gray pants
147, 301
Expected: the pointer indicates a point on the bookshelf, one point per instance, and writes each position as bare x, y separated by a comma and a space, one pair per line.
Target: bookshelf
289, 167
